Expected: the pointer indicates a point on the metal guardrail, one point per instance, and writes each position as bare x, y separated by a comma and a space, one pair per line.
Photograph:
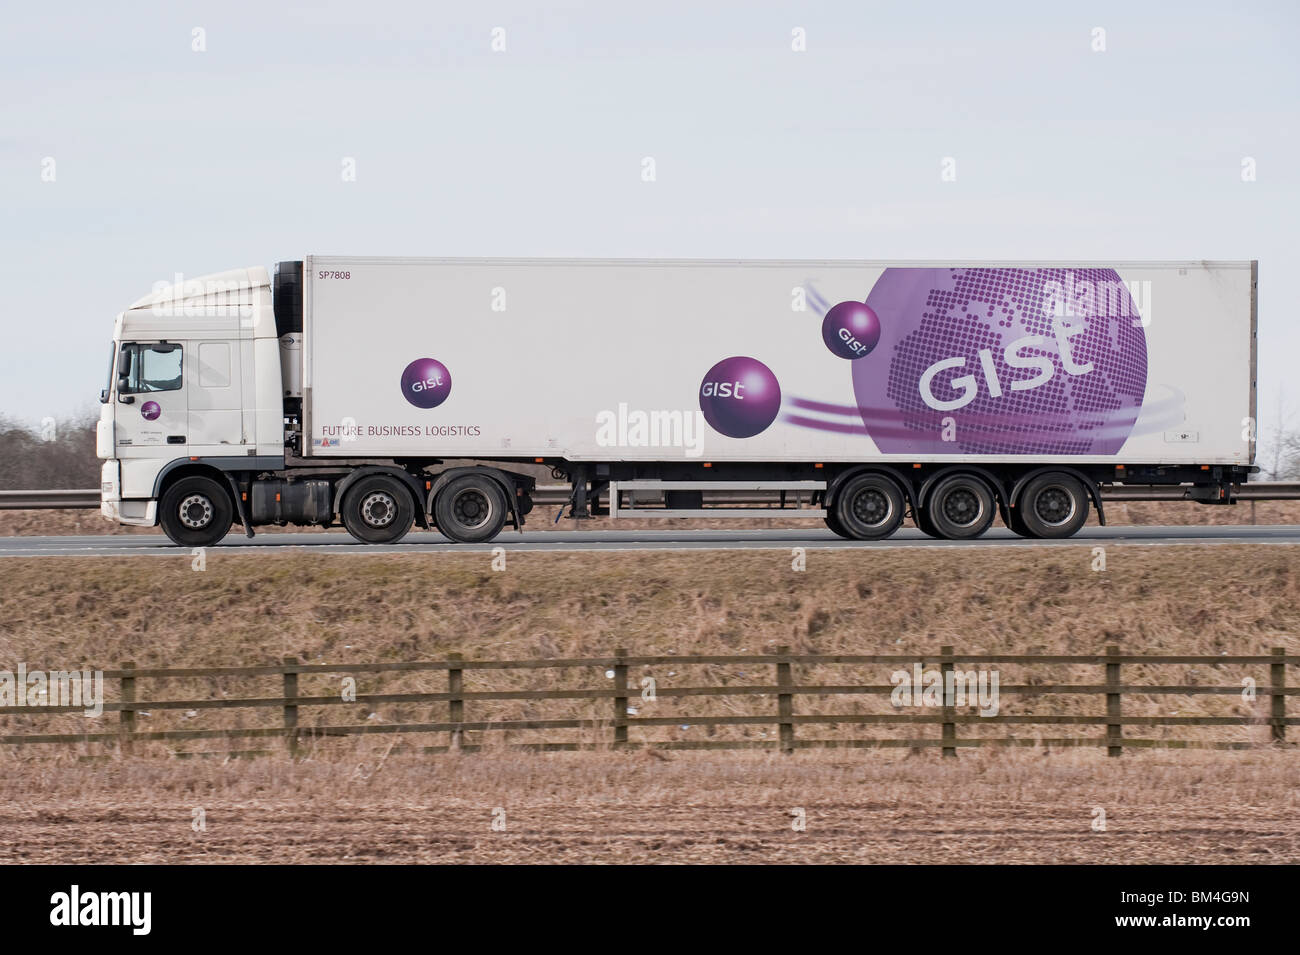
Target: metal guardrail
49, 500
550, 495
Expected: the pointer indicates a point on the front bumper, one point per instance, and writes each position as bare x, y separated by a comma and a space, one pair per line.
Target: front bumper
141, 513
138, 513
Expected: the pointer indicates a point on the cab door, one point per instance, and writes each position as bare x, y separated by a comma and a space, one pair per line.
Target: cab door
216, 418
153, 408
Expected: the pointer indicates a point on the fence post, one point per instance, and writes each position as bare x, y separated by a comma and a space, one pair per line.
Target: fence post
1277, 671
126, 718
620, 701
784, 702
1114, 729
291, 712
455, 705
949, 725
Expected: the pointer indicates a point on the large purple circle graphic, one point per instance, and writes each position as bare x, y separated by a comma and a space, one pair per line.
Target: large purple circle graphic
740, 397
150, 410
426, 383
851, 330
1023, 361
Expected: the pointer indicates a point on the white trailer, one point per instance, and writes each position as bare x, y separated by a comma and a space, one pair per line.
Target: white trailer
360, 390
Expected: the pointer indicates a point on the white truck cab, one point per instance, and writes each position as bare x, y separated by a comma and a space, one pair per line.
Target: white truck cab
194, 375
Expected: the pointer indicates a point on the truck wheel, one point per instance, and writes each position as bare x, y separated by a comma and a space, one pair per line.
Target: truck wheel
834, 524
196, 512
1017, 524
869, 507
1053, 506
960, 507
471, 509
924, 524
378, 509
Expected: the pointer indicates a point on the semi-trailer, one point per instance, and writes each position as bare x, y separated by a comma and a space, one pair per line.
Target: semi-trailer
388, 393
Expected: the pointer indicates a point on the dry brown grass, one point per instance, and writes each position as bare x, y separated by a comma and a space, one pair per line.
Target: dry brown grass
1013, 807
247, 608
251, 609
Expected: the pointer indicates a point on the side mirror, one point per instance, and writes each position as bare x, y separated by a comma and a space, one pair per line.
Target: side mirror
121, 387
103, 396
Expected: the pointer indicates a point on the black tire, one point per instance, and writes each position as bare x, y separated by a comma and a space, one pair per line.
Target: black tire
834, 524
922, 520
378, 509
923, 523
1053, 506
471, 509
960, 507
831, 520
196, 512
868, 507
1017, 525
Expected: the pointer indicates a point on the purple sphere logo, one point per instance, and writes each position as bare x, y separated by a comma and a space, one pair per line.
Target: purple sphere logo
426, 383
851, 329
150, 410
1002, 361
740, 397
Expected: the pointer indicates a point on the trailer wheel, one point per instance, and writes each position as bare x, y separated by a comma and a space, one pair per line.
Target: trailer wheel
378, 509
924, 524
1053, 506
833, 523
1017, 524
960, 507
868, 507
471, 509
196, 512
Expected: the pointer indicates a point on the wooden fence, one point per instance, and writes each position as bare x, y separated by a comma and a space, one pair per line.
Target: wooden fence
614, 730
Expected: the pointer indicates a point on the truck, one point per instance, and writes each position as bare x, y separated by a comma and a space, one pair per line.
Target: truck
385, 394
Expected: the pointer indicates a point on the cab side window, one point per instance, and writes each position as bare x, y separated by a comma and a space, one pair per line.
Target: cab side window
143, 369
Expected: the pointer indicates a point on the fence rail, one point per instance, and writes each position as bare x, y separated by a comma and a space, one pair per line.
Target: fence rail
614, 729
550, 495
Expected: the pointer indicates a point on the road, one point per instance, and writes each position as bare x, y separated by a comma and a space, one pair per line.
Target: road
338, 542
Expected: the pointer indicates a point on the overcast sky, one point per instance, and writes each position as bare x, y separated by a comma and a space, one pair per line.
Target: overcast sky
168, 159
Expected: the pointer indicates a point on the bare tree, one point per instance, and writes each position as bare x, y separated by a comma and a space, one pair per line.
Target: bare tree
1288, 466
54, 454
1282, 451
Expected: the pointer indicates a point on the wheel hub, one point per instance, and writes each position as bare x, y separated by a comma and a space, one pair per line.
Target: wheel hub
196, 512
962, 507
1054, 505
471, 507
378, 509
871, 507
